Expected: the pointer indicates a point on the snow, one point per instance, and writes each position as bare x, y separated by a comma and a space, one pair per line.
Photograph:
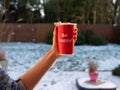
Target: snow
63, 74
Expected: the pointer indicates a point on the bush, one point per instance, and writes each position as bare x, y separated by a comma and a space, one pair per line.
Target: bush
88, 35
116, 71
49, 37
117, 36
98, 41
80, 39
91, 39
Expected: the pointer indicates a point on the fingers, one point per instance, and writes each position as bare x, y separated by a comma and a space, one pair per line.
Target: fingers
75, 31
55, 29
75, 34
55, 35
55, 32
57, 23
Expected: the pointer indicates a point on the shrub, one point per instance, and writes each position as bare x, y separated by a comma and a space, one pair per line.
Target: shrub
116, 71
117, 36
98, 41
49, 37
80, 39
88, 35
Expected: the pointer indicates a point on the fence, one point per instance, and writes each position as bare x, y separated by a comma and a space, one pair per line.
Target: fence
38, 32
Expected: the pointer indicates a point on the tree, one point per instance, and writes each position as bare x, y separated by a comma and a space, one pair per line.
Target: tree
101, 11
116, 11
5, 35
79, 11
82, 11
23, 10
31, 7
64, 10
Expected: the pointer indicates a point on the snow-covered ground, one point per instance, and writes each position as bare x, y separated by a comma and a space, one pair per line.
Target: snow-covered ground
22, 56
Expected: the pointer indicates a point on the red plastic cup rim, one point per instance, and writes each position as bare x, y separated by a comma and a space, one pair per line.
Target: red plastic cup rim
66, 23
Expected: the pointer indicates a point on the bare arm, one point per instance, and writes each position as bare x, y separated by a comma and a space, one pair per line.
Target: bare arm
31, 78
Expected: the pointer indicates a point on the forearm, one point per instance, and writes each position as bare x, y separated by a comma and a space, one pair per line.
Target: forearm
31, 78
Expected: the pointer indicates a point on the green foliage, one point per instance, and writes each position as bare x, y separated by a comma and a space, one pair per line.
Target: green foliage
116, 71
30, 4
24, 11
79, 11
49, 37
88, 35
91, 39
98, 41
117, 36
63, 10
80, 38
36, 16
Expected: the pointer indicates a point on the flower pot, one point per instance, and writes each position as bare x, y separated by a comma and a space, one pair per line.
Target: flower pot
93, 76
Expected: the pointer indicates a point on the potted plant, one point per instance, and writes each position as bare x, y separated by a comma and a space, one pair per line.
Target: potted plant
93, 73
3, 60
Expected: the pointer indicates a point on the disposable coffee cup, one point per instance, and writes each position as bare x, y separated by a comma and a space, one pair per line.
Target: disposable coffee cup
65, 38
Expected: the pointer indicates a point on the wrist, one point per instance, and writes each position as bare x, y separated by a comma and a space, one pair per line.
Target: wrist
55, 53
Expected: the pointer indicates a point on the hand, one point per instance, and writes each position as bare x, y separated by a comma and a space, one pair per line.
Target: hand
54, 41
75, 34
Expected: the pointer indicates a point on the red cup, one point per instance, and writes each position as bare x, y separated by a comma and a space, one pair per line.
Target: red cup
65, 37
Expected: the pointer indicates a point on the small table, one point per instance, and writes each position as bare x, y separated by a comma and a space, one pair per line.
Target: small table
83, 84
